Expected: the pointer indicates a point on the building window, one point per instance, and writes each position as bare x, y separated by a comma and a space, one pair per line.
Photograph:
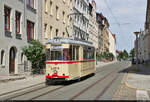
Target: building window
30, 3
18, 16
7, 18
63, 34
46, 6
57, 11
30, 30
22, 58
64, 1
2, 57
51, 30
63, 17
70, 20
51, 8
56, 32
70, 4
45, 30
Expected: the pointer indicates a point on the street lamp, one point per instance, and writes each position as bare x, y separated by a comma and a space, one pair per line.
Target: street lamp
136, 47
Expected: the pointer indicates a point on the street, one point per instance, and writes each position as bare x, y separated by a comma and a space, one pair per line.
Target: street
102, 86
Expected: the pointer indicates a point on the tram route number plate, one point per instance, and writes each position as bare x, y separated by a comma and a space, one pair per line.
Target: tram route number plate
54, 68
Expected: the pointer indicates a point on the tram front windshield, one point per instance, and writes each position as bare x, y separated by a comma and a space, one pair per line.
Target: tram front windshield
62, 54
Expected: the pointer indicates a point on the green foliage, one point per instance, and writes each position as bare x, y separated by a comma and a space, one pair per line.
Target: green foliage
105, 55
123, 56
132, 53
36, 54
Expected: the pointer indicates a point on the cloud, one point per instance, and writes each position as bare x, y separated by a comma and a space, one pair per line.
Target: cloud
132, 12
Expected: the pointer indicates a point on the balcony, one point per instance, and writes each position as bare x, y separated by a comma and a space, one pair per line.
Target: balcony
8, 33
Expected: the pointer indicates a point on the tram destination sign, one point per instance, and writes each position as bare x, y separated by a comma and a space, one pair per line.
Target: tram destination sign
56, 47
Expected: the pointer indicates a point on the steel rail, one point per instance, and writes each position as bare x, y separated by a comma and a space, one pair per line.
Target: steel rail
20, 89
89, 87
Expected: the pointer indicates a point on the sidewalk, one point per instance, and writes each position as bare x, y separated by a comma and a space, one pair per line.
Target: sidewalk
101, 64
138, 79
29, 81
19, 84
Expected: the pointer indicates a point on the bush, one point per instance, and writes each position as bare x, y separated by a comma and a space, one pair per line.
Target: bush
36, 54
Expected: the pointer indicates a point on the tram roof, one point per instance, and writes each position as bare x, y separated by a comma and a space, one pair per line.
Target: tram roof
69, 40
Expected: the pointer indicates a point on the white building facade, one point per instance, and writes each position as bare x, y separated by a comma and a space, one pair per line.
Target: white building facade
141, 47
112, 42
93, 25
80, 19
21, 22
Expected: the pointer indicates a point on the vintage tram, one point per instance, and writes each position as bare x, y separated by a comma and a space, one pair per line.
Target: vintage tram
68, 59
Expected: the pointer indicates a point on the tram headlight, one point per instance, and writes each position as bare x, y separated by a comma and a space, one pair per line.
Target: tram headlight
55, 72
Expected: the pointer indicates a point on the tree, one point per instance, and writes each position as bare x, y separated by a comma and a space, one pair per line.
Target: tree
111, 56
36, 54
132, 53
125, 54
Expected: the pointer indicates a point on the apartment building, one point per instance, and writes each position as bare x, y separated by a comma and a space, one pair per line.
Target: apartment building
99, 20
93, 25
141, 47
20, 23
147, 33
112, 46
56, 19
105, 34
80, 19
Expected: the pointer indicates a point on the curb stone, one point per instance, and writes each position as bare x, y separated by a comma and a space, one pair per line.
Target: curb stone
12, 79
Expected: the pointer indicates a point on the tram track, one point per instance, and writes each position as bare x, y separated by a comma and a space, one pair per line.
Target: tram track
75, 96
33, 90
106, 88
20, 92
10, 92
56, 89
92, 85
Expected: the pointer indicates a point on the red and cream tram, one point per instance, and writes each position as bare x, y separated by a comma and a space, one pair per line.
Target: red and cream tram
69, 59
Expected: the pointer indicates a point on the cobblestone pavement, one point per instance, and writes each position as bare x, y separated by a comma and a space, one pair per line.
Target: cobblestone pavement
134, 85
148, 93
125, 93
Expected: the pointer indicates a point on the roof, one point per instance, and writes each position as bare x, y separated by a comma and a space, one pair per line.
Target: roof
69, 40
102, 16
114, 35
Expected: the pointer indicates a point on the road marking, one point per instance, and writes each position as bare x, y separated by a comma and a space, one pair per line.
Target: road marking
142, 95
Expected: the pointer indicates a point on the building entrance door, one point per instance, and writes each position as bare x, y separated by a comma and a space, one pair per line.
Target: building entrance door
12, 55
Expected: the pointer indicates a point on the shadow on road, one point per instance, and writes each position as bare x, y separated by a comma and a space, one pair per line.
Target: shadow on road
141, 69
73, 81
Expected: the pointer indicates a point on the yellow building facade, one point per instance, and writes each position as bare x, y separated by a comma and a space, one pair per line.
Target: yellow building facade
56, 19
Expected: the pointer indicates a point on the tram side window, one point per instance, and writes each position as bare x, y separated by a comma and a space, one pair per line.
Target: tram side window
70, 52
85, 54
66, 55
73, 53
77, 53
88, 53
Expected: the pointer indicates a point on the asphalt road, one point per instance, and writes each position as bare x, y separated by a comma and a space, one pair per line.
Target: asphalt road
102, 86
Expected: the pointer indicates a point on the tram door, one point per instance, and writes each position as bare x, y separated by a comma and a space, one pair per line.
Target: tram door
12, 61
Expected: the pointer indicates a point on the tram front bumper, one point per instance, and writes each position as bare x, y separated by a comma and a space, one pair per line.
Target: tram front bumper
54, 80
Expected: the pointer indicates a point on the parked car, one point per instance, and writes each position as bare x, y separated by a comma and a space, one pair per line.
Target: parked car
134, 61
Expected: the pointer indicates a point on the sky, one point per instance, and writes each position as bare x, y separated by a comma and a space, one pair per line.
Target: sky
125, 17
